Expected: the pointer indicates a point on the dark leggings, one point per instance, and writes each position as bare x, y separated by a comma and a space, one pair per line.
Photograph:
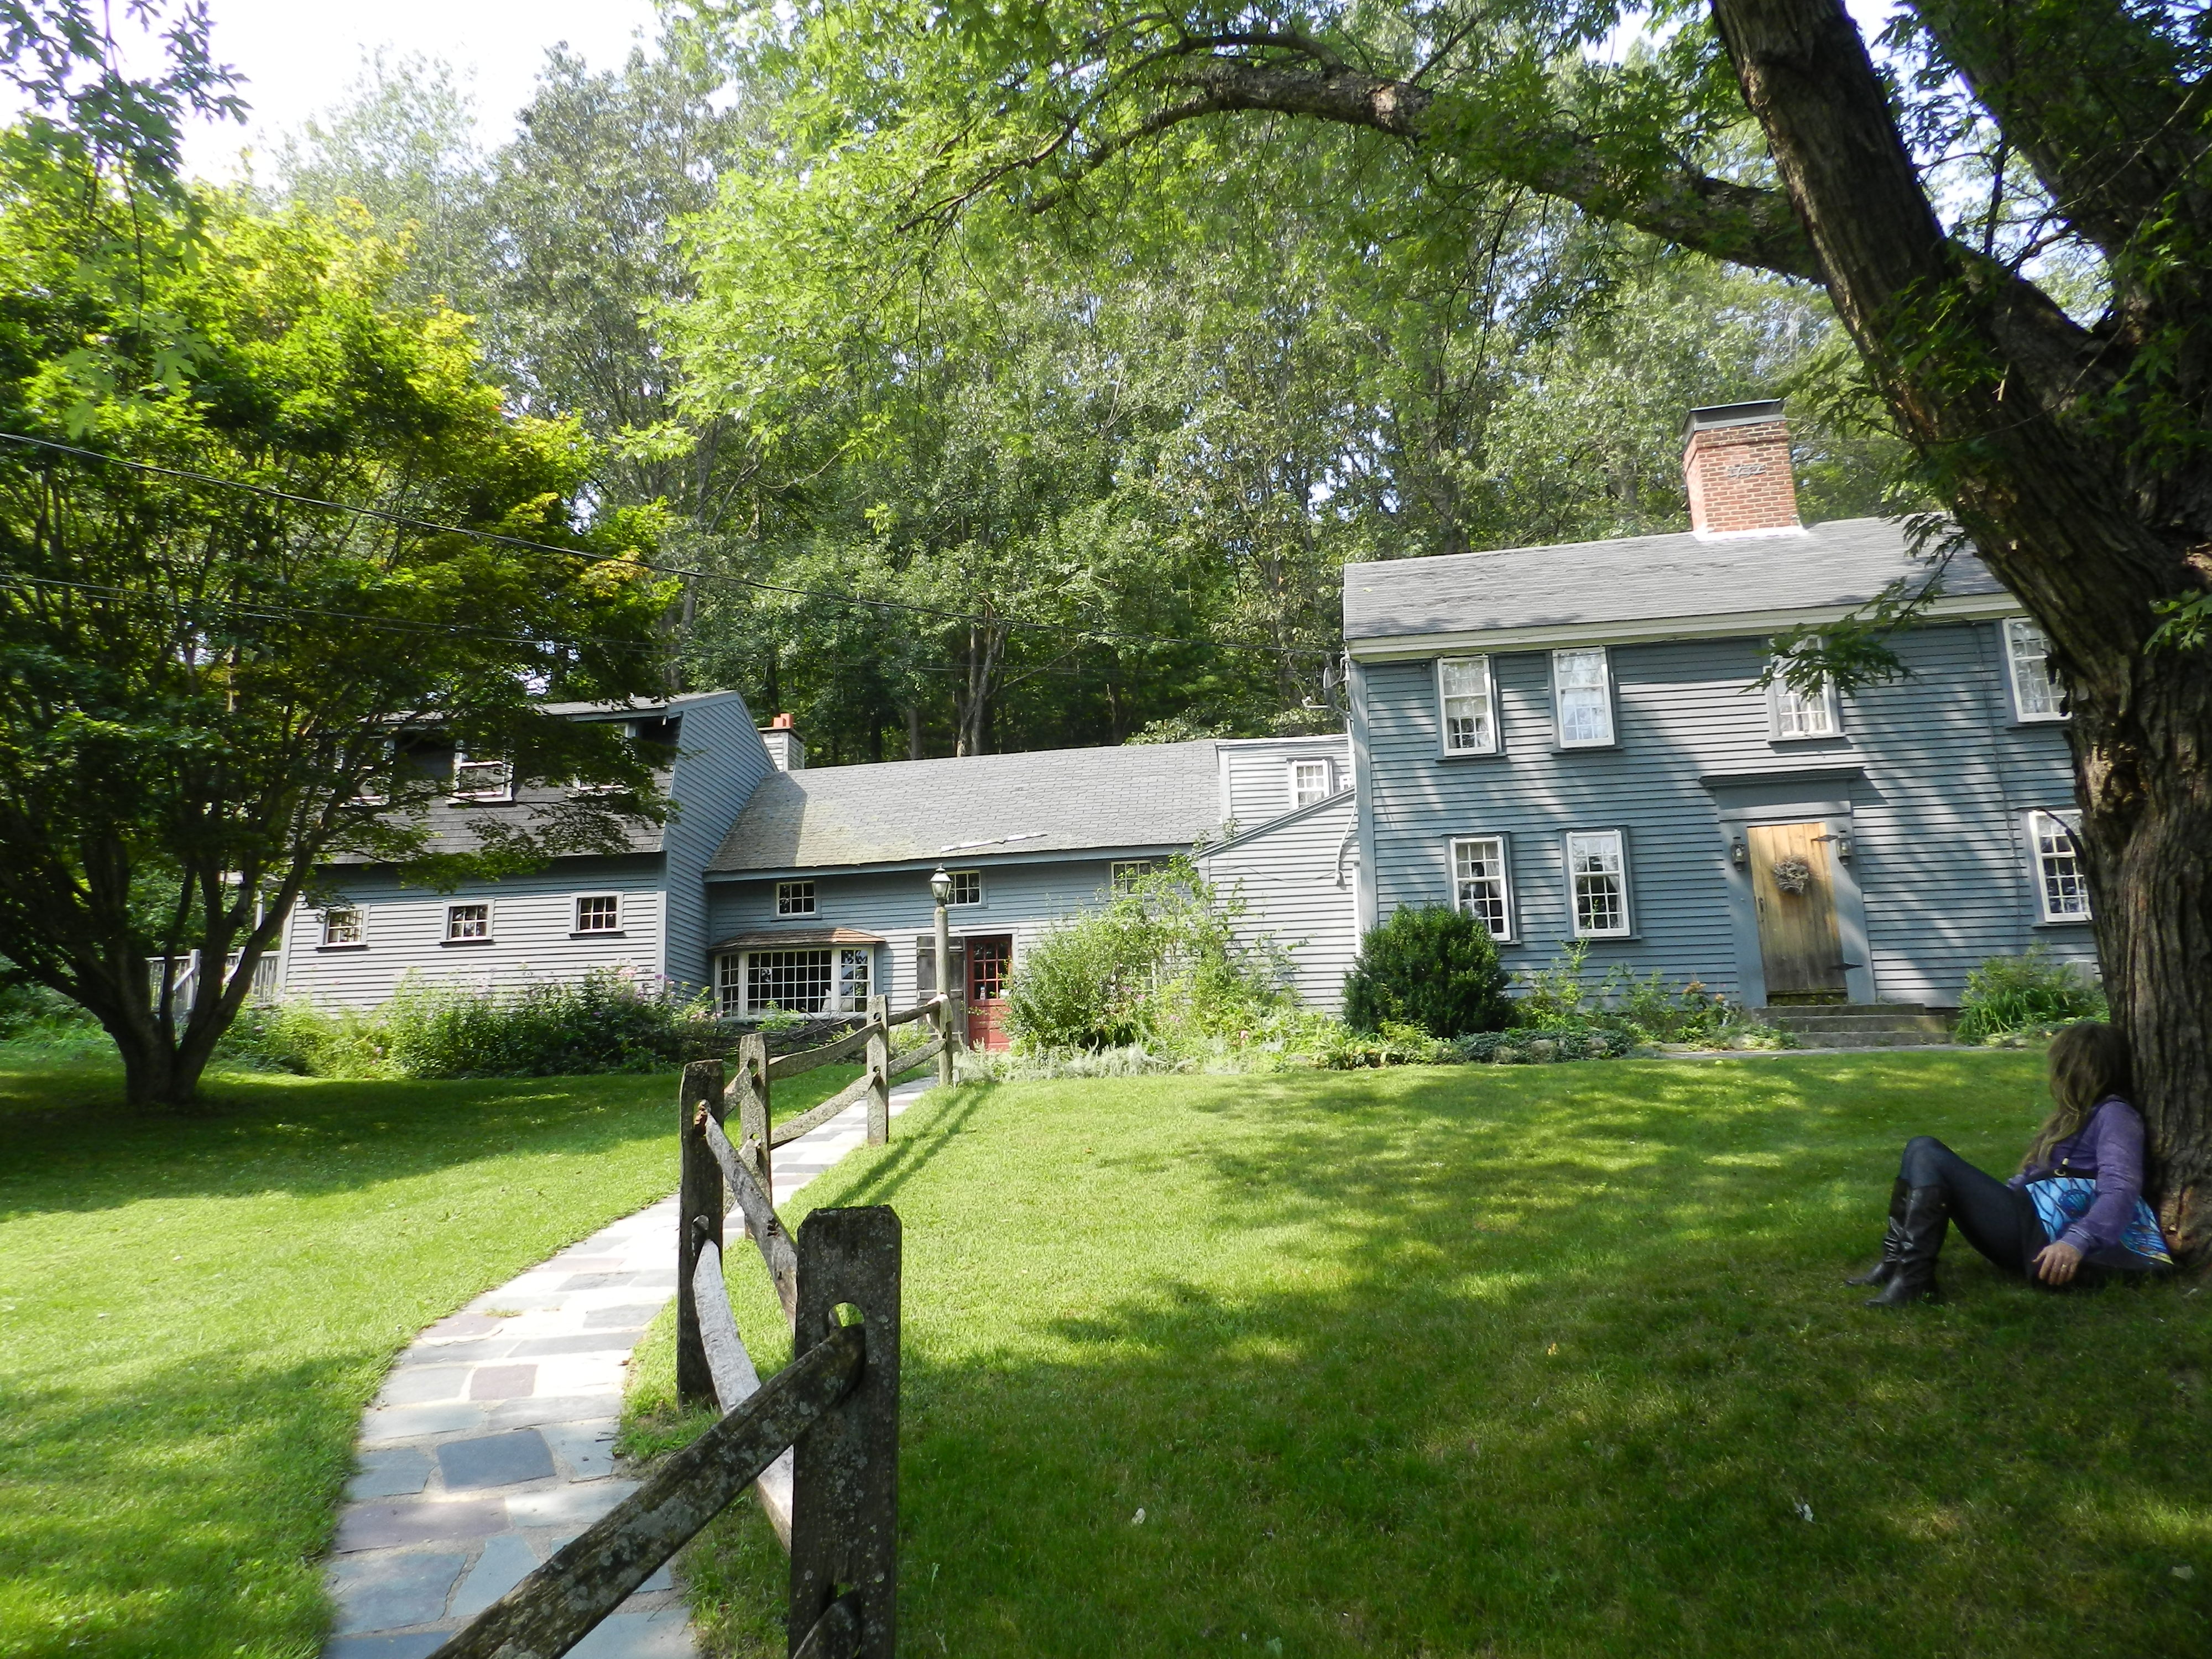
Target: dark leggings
1998, 1220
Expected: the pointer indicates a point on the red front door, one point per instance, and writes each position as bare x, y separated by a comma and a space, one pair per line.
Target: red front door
989, 962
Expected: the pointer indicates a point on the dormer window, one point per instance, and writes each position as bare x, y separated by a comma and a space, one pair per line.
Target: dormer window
482, 780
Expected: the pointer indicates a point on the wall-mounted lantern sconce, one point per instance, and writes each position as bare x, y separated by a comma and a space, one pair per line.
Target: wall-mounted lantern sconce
1839, 843
1738, 852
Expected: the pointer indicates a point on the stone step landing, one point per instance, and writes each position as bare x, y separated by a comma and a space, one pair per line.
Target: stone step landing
1860, 1025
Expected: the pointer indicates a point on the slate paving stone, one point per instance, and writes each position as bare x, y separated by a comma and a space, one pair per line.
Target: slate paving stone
616, 1281
459, 1324
457, 1353
573, 1506
502, 1382
384, 1647
382, 1425
552, 1409
664, 1635
385, 1590
395, 1473
588, 1449
393, 1526
635, 1315
494, 1460
417, 1385
601, 1341
507, 1560
588, 1264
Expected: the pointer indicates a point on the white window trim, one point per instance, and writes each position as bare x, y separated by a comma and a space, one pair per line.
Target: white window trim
956, 902
1452, 845
1138, 868
2056, 713
504, 793
1774, 694
1327, 779
491, 923
576, 928
2070, 822
813, 898
742, 1007
360, 915
1612, 738
1490, 701
1627, 929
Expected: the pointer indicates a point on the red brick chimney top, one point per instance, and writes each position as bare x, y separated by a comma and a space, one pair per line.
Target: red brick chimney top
780, 723
1737, 463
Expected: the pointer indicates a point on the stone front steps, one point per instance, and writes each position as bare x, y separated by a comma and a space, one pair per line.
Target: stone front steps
1862, 1025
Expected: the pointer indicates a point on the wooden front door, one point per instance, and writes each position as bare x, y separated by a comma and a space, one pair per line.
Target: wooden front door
989, 962
1794, 885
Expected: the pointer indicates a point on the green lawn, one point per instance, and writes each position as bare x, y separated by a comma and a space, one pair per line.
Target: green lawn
1518, 1362
194, 1311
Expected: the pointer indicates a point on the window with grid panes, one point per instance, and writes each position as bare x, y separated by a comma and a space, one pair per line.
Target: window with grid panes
482, 780
1469, 719
1582, 692
2035, 690
599, 912
795, 898
468, 921
1598, 875
1479, 882
342, 927
797, 982
1310, 782
967, 887
2060, 879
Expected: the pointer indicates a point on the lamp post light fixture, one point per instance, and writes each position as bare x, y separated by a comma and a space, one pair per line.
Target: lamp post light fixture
940, 888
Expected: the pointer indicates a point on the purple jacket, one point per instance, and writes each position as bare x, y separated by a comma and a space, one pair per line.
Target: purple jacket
2109, 1146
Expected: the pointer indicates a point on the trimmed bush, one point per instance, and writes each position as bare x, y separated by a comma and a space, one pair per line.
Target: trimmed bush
2024, 993
1430, 967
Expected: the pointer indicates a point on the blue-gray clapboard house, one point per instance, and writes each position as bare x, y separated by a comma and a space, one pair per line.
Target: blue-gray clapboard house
1567, 742
772, 885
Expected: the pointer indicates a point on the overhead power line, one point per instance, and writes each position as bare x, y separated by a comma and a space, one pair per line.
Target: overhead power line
973, 619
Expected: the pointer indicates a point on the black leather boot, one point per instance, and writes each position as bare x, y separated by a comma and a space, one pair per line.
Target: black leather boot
1926, 1215
1892, 1241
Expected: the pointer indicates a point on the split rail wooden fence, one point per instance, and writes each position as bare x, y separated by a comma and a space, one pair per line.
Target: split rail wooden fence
821, 1437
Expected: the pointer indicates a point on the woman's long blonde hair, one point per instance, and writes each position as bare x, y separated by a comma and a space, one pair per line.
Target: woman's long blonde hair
2088, 1063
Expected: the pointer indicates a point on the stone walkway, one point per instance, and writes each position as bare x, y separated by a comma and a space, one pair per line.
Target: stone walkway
492, 1441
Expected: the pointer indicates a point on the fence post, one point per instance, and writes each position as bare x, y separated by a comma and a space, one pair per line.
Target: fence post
879, 1071
700, 1203
750, 1088
844, 1522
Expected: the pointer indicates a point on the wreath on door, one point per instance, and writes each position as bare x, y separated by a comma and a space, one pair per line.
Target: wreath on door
1792, 875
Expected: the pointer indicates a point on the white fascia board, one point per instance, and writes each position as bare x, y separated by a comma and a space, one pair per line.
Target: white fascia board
1390, 648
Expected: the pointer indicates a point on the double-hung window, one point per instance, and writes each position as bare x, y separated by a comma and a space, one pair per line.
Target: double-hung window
482, 780
967, 887
1311, 781
342, 927
467, 923
1582, 697
795, 898
1469, 705
599, 913
2061, 882
1802, 713
2035, 690
1480, 883
1597, 877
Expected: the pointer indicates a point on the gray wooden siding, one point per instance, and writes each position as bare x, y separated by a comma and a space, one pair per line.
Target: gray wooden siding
721, 760
533, 917
1022, 899
1936, 818
1256, 775
1287, 876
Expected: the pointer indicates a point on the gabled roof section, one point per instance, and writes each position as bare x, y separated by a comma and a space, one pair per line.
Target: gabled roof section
1055, 801
1647, 586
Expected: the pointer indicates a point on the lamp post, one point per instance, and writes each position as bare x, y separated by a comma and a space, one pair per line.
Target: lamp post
940, 888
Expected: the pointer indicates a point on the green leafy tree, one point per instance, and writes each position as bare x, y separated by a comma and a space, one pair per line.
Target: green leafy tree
212, 678
1430, 967
1948, 200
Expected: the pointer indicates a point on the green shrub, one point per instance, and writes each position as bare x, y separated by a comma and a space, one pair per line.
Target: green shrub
34, 1017
1560, 997
2006, 994
1159, 967
1430, 967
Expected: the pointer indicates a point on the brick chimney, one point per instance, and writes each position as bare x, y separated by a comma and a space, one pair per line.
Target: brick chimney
1737, 465
784, 747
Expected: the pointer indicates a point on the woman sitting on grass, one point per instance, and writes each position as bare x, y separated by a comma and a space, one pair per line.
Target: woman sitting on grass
2077, 1197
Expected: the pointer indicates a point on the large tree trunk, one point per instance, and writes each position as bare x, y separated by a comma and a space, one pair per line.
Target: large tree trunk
1985, 379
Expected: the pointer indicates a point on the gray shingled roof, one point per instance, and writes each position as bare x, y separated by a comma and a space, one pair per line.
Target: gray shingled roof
900, 811
1638, 578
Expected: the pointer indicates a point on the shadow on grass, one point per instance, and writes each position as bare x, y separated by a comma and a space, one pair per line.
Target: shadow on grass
1461, 1363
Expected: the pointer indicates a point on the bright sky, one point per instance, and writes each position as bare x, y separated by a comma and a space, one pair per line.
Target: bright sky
300, 57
